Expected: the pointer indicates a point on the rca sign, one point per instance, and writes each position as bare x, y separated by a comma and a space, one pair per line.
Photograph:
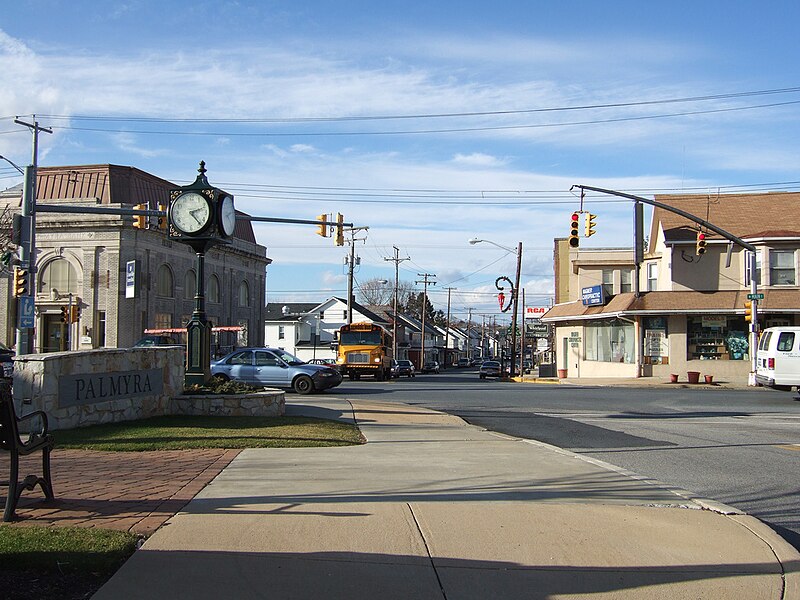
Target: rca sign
535, 311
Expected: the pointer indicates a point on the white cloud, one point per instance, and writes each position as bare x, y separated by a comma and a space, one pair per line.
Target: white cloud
478, 159
302, 148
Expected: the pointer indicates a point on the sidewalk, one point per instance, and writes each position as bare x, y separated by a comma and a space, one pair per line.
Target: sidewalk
433, 508
643, 382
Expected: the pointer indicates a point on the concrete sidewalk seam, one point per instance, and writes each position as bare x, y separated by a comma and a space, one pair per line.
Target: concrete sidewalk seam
427, 549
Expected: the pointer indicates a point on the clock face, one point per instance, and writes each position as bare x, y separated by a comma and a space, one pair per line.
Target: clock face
227, 216
190, 213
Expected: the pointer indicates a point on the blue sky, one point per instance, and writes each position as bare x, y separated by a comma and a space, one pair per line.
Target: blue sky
279, 89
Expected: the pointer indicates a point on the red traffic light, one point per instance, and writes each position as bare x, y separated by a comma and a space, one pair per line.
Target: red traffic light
701, 236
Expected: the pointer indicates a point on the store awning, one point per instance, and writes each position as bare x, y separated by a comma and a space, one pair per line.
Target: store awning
677, 303
183, 329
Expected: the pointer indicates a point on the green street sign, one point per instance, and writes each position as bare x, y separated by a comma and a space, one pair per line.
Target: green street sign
755, 296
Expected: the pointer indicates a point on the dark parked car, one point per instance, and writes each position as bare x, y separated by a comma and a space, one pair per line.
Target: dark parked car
463, 362
6, 361
328, 362
273, 367
490, 368
430, 366
404, 367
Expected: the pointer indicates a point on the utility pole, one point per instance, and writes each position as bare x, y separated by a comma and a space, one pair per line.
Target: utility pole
424, 307
447, 327
396, 260
28, 245
514, 316
483, 336
469, 333
522, 338
351, 266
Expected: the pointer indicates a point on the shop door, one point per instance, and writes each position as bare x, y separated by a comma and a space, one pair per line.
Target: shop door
56, 334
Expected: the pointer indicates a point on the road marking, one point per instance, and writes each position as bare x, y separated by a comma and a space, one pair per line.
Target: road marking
795, 447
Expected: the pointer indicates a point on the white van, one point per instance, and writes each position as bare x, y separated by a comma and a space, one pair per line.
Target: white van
778, 358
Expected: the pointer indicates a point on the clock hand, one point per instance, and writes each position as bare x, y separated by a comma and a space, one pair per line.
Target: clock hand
191, 212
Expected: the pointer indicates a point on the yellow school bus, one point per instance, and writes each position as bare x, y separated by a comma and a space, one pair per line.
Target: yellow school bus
364, 349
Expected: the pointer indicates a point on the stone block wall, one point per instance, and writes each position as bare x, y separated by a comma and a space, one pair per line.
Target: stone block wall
269, 403
76, 389
88, 387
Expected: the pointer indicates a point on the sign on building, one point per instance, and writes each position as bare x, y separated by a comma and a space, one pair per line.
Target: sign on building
130, 279
593, 296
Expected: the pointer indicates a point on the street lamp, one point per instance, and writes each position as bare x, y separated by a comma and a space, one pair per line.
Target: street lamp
518, 253
16, 166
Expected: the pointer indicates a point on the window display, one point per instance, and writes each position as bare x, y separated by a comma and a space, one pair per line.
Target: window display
612, 341
717, 338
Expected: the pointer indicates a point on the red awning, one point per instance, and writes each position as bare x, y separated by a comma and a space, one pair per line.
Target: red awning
183, 329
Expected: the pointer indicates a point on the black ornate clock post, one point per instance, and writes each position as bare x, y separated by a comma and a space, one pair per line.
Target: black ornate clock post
200, 216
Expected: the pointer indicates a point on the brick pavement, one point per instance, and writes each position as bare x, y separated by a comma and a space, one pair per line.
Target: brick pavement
131, 491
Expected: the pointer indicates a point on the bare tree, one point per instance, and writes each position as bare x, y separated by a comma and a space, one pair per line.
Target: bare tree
375, 292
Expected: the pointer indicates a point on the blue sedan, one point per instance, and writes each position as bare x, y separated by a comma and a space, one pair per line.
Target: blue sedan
273, 367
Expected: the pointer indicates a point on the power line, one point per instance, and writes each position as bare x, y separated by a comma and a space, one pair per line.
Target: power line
723, 96
252, 134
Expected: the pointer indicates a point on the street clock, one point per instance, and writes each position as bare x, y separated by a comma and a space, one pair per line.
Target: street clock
201, 215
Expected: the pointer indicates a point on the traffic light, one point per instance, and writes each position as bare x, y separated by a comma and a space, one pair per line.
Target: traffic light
590, 224
339, 229
65, 314
700, 247
74, 313
574, 240
18, 225
748, 311
162, 219
322, 228
20, 282
140, 221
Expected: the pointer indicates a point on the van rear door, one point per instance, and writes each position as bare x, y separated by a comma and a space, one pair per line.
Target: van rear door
787, 358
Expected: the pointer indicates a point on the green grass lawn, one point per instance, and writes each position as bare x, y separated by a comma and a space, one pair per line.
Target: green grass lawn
192, 432
64, 549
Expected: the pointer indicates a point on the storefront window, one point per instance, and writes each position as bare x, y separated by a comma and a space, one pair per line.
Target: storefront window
611, 341
656, 348
717, 338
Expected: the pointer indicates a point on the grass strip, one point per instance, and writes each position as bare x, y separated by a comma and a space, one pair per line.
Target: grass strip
177, 432
64, 549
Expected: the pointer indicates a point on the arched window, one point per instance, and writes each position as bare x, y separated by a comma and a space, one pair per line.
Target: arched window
164, 285
244, 294
213, 289
189, 285
61, 276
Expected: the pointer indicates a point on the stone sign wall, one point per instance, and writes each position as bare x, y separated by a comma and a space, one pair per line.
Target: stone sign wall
88, 387
98, 386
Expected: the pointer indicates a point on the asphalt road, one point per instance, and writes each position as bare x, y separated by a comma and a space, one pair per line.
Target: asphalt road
741, 448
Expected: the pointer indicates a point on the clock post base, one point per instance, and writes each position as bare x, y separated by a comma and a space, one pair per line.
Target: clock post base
198, 354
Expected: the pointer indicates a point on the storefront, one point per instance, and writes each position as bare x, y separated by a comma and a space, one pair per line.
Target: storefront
653, 336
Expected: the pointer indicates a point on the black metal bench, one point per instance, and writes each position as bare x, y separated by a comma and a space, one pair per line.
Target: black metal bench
10, 441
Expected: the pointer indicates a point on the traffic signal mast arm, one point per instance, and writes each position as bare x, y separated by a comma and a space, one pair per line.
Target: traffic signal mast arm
703, 223
101, 210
